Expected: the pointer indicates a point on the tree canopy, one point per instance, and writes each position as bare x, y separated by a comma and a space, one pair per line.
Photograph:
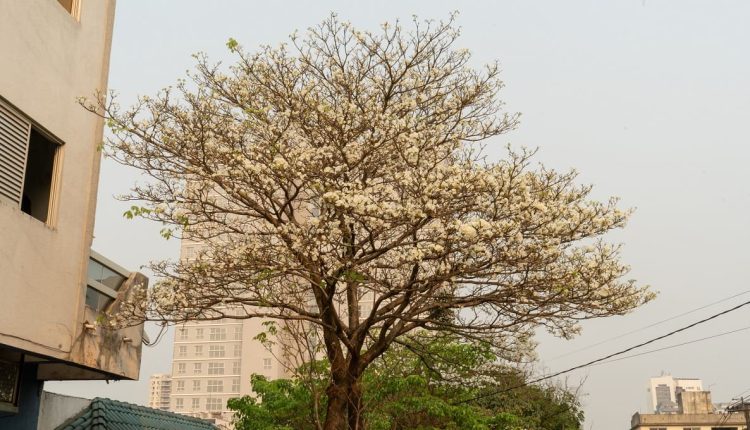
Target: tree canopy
340, 182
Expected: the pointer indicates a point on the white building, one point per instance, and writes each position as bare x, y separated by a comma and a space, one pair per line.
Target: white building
663, 391
160, 389
213, 360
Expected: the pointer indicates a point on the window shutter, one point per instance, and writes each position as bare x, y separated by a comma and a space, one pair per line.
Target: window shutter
14, 144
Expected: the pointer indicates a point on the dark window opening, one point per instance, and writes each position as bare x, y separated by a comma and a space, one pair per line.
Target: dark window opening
37, 185
10, 372
67, 4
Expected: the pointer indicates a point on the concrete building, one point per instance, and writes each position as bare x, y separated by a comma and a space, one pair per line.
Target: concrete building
55, 290
160, 389
213, 362
694, 402
663, 391
687, 422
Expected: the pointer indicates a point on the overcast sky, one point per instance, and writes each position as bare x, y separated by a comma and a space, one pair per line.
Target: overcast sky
649, 100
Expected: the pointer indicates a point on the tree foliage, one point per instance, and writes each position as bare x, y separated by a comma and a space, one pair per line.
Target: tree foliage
407, 391
338, 182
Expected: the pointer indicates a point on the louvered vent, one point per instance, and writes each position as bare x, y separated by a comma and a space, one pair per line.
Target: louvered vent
14, 143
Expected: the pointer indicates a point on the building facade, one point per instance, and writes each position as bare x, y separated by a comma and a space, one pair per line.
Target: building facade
213, 362
664, 390
160, 390
55, 290
687, 422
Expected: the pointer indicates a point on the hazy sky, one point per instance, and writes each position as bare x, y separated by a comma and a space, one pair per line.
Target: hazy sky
649, 100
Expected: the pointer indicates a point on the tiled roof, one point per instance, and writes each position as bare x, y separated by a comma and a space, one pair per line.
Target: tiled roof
106, 414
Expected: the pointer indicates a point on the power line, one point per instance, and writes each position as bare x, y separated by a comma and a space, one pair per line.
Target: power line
607, 357
677, 345
620, 336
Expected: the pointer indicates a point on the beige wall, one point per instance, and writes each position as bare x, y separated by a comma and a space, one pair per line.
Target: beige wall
49, 58
686, 421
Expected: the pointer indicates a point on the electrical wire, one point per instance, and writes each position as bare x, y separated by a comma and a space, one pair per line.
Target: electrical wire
675, 346
620, 336
607, 357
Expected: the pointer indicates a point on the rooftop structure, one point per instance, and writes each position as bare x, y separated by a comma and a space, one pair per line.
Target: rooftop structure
663, 391
687, 422
113, 415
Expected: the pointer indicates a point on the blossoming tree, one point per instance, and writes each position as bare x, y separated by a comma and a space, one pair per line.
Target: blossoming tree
346, 167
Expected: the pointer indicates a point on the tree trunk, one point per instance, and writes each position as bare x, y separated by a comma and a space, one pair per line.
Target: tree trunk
344, 401
336, 412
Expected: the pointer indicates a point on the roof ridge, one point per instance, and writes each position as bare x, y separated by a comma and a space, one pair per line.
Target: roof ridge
115, 414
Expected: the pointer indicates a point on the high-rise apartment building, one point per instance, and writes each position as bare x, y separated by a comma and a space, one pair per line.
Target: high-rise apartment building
213, 360
55, 291
212, 363
160, 388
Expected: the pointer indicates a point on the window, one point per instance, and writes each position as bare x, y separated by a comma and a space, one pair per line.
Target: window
102, 281
178, 403
28, 168
236, 385
197, 385
196, 403
213, 404
237, 350
266, 363
198, 350
10, 372
216, 350
180, 368
215, 386
40, 170
217, 333
197, 368
182, 351
238, 332
215, 368
182, 334
236, 366
180, 386
199, 333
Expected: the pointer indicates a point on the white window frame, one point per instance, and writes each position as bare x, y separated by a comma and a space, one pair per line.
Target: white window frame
216, 351
215, 368
215, 386
217, 333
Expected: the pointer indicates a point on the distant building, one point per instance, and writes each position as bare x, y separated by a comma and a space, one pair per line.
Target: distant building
213, 361
55, 290
160, 388
663, 391
687, 422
